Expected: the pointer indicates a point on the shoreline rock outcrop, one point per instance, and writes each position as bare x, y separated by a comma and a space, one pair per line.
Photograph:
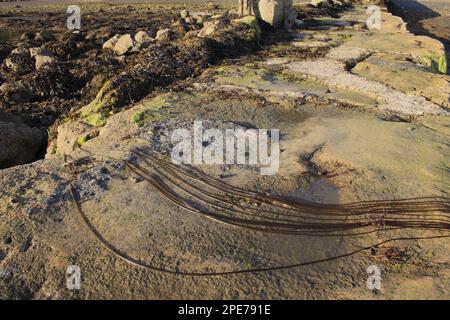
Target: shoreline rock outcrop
347, 133
19, 143
277, 13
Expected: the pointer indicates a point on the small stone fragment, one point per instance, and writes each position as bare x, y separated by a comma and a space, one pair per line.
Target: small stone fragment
164, 35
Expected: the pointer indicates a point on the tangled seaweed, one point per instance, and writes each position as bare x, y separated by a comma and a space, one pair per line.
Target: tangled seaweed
194, 191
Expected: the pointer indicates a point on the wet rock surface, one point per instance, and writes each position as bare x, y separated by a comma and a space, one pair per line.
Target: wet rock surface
359, 135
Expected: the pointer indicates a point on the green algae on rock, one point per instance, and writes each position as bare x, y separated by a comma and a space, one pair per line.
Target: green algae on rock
254, 25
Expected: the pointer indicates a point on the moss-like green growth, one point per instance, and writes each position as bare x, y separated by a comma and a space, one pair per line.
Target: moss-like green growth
105, 98
149, 116
438, 64
154, 111
54, 151
96, 119
344, 37
339, 39
96, 112
221, 70
82, 140
254, 25
242, 76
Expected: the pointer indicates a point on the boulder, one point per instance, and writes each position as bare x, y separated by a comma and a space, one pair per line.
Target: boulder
391, 24
190, 20
209, 28
191, 34
200, 19
39, 51
123, 45
274, 12
142, 37
184, 13
43, 59
111, 42
164, 35
212, 6
20, 63
181, 26
278, 13
252, 22
19, 144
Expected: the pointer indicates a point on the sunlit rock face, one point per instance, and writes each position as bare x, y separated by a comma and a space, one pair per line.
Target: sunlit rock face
272, 11
278, 13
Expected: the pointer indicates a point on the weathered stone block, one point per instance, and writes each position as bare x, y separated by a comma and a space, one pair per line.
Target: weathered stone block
278, 13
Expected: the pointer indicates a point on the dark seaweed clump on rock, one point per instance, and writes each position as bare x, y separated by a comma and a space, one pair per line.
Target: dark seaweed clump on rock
75, 68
